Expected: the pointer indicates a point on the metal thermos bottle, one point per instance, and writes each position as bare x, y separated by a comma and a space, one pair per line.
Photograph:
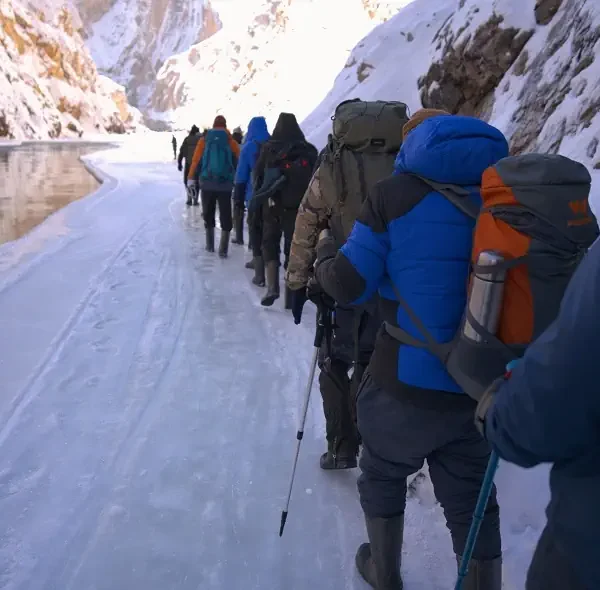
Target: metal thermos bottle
487, 291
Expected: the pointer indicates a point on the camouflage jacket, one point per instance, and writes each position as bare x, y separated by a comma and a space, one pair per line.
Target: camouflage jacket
313, 216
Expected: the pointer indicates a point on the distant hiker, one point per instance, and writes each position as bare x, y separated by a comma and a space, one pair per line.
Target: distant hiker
186, 152
255, 138
238, 135
281, 176
410, 238
360, 152
213, 167
174, 144
548, 410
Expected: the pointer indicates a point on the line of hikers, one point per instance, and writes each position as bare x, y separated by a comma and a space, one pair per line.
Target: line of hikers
419, 210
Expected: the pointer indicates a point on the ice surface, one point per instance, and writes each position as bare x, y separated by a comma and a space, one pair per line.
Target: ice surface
148, 412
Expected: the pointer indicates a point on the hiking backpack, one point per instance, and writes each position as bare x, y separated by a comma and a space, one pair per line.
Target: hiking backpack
217, 160
536, 215
292, 164
360, 152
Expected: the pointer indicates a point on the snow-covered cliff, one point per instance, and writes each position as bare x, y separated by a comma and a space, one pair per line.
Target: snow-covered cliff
530, 67
48, 81
131, 39
276, 55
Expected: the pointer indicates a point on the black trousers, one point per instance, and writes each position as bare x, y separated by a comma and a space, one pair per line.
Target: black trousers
398, 437
210, 199
549, 569
277, 221
351, 346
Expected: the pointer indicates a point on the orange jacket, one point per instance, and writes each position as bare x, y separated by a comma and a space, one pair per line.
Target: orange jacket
199, 151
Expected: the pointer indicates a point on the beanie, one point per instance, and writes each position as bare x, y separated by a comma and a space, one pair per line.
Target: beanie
420, 116
220, 122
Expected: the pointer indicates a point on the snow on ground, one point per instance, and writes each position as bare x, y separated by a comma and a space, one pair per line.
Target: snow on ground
148, 411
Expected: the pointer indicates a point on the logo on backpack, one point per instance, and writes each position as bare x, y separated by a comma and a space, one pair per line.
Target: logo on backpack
531, 234
217, 159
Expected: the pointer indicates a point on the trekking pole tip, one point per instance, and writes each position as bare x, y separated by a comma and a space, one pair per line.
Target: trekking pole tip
284, 515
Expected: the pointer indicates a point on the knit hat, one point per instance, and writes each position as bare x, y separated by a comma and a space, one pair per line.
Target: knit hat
220, 122
420, 116
194, 129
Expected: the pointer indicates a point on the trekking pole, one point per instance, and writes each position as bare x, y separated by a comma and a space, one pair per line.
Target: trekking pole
485, 304
323, 320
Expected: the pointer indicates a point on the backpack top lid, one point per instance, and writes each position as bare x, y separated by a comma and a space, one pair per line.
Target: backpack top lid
550, 187
373, 125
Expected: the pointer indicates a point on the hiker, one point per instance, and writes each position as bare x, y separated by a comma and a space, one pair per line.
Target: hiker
378, 125
548, 410
213, 167
410, 237
281, 176
174, 144
186, 152
238, 135
242, 192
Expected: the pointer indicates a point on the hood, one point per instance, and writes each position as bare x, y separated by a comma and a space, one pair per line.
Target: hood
287, 129
257, 130
451, 149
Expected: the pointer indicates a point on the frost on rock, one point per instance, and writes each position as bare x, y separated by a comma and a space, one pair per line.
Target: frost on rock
471, 64
48, 80
560, 95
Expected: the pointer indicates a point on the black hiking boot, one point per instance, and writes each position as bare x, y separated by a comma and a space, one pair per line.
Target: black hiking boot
272, 274
189, 202
195, 203
224, 244
483, 575
342, 458
378, 561
250, 264
259, 271
210, 239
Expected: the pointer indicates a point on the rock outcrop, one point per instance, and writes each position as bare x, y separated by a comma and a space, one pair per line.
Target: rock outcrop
49, 84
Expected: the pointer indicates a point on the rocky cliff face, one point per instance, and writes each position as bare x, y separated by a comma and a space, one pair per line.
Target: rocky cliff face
49, 83
131, 39
282, 57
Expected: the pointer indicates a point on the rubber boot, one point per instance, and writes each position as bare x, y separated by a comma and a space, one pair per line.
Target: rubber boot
340, 456
483, 575
238, 226
272, 273
224, 244
378, 561
210, 239
250, 264
259, 271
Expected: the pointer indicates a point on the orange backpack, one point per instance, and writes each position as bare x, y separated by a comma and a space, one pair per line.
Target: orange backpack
536, 215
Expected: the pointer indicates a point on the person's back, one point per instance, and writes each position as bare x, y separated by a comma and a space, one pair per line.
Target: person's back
213, 168
288, 155
256, 136
411, 238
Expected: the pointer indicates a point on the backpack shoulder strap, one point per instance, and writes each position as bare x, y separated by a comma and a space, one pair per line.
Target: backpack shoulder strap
457, 195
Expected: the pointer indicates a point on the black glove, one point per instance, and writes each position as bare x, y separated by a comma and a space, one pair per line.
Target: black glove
298, 301
326, 249
180, 167
316, 294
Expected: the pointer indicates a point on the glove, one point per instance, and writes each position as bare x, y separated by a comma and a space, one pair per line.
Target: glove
316, 294
180, 167
485, 402
298, 301
326, 249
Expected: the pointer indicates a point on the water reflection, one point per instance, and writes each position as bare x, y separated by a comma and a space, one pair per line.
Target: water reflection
37, 180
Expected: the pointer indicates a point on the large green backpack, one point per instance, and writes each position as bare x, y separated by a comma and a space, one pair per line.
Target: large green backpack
360, 152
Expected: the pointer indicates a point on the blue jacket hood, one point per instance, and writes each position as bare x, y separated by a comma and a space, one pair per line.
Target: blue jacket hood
451, 149
257, 130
